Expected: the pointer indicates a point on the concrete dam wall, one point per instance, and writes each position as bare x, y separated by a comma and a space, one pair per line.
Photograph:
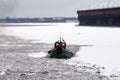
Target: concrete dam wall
100, 17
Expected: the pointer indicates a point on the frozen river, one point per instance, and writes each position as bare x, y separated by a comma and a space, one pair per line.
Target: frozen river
104, 49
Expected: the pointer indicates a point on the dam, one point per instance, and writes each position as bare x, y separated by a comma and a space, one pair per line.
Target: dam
99, 17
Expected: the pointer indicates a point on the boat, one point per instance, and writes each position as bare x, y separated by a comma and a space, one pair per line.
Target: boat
59, 50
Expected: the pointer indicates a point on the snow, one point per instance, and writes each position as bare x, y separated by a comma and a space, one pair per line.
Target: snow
38, 55
104, 41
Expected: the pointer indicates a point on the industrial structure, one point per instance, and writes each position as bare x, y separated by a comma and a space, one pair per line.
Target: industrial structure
100, 17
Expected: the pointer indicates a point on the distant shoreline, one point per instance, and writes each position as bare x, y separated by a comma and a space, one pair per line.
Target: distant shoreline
27, 24
39, 20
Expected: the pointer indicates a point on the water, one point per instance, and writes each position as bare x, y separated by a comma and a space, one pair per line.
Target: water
105, 42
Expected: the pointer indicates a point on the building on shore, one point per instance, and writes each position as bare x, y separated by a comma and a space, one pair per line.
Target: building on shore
100, 17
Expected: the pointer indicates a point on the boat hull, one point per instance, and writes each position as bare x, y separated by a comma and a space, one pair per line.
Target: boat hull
60, 53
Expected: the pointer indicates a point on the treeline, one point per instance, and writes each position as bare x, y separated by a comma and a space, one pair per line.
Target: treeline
38, 20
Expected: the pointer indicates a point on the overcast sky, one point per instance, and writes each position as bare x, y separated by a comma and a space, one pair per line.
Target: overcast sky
52, 8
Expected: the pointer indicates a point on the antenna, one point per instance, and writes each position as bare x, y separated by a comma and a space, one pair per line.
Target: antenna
63, 39
60, 39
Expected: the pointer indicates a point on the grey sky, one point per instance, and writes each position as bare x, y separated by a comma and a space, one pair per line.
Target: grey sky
54, 8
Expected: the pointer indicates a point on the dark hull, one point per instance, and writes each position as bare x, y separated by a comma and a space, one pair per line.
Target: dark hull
63, 53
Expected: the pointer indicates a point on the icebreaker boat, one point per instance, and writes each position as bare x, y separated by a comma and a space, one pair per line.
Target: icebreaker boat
60, 50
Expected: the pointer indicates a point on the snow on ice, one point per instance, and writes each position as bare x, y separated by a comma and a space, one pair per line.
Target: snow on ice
104, 41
